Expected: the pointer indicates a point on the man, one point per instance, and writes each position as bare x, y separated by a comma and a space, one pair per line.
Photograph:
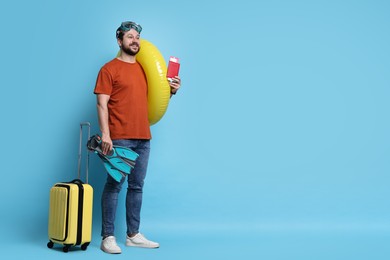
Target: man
121, 90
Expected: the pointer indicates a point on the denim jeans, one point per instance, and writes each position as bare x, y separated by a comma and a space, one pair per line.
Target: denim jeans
135, 185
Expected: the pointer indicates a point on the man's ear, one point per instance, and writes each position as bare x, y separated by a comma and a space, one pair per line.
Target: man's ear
119, 42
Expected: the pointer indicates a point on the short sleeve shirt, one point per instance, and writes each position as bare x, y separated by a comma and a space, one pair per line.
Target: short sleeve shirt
126, 85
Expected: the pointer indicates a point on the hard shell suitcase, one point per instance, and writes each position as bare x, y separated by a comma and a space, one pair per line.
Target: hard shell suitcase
70, 209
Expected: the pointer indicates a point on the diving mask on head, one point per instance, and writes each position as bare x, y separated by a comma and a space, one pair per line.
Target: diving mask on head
127, 26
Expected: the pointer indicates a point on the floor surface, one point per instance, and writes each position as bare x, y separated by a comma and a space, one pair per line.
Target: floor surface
217, 244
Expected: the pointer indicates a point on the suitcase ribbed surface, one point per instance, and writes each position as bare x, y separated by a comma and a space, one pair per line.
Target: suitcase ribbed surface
58, 212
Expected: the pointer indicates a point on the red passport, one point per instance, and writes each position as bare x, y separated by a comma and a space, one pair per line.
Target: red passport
173, 67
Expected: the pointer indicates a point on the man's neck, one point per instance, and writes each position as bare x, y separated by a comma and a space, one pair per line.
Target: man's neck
126, 57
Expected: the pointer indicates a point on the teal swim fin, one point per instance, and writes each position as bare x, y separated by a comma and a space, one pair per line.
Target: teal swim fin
116, 161
121, 158
126, 154
111, 170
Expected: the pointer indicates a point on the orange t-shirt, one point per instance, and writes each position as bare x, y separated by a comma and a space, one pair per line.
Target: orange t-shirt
126, 85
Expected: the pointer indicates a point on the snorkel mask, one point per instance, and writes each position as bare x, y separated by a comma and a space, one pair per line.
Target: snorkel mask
127, 26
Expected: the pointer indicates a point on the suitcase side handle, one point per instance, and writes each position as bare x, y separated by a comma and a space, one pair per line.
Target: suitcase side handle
87, 124
77, 181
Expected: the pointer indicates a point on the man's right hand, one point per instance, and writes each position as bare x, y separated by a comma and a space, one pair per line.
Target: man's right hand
106, 144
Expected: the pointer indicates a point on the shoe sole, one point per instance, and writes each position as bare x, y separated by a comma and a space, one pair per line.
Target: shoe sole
112, 252
141, 246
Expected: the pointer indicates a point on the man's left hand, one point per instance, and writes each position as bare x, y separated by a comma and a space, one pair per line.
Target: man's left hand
175, 84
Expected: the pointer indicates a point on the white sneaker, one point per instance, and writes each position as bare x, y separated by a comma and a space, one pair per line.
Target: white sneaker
140, 241
110, 246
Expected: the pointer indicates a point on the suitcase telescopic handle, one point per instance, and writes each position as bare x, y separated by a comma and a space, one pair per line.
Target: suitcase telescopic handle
87, 124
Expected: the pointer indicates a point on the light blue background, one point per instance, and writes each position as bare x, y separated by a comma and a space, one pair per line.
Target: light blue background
276, 147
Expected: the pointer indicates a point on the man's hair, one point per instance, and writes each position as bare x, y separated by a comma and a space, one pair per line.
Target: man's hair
127, 26
119, 34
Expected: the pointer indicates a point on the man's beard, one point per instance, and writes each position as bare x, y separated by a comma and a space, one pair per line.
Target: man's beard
129, 51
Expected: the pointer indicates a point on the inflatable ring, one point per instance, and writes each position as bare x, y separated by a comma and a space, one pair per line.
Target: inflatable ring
155, 68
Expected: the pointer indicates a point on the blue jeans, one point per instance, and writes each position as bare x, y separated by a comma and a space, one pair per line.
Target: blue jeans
135, 185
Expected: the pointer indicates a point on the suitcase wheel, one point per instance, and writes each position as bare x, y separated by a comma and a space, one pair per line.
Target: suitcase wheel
84, 246
50, 244
66, 248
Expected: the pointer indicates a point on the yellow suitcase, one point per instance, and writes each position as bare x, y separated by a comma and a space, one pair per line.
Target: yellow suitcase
70, 210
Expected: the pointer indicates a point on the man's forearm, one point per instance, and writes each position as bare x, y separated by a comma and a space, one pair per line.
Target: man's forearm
103, 119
